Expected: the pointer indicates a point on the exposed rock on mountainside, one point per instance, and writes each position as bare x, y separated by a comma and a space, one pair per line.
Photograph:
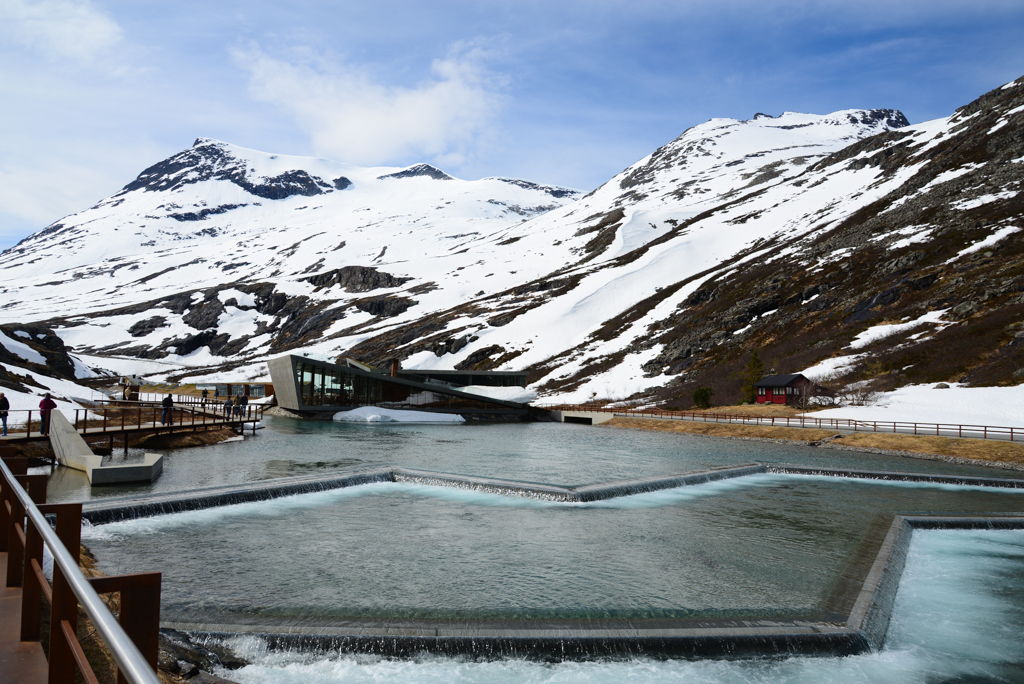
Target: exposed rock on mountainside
852, 244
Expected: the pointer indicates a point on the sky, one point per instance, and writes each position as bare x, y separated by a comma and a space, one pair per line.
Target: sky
561, 92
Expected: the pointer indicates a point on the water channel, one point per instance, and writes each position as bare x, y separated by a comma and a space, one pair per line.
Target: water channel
762, 546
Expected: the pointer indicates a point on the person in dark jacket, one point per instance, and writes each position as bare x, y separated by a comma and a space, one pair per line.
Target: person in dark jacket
5, 406
227, 409
168, 417
45, 406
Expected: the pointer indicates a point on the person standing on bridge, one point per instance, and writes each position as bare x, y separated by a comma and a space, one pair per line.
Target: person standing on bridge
5, 406
206, 394
227, 408
168, 417
45, 406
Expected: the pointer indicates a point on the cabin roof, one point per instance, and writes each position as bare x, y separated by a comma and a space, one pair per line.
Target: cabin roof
778, 380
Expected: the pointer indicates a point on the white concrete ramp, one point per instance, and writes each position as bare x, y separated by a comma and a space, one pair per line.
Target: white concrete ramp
72, 451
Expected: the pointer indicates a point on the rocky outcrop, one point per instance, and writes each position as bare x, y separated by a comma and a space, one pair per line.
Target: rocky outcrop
356, 279
210, 160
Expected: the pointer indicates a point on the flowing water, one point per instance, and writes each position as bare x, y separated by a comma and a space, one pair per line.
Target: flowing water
759, 546
959, 616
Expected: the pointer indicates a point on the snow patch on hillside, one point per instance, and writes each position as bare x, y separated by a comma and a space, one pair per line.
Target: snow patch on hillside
958, 405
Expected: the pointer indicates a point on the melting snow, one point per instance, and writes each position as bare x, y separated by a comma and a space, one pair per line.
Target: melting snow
374, 414
879, 332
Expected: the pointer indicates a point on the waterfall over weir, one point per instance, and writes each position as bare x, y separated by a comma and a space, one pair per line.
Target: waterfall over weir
848, 624
115, 509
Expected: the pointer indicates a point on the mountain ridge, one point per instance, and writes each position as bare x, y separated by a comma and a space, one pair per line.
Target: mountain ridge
656, 282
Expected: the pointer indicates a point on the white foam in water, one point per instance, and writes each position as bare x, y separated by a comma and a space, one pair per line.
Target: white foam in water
958, 617
280, 507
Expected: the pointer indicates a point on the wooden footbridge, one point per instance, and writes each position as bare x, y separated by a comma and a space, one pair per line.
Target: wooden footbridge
126, 419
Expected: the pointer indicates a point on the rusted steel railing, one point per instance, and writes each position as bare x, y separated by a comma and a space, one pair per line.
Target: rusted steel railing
24, 531
896, 427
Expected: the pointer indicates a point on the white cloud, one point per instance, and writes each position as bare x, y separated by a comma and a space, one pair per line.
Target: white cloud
72, 29
352, 117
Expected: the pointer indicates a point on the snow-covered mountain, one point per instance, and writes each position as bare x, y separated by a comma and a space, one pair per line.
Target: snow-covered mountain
790, 235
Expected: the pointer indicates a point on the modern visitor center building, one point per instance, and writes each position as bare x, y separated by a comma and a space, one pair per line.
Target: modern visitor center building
312, 386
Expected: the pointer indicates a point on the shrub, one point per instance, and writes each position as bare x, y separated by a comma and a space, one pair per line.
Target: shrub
702, 397
751, 374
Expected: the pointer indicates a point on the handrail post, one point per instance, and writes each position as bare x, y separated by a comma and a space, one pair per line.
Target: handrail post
15, 551
64, 605
31, 589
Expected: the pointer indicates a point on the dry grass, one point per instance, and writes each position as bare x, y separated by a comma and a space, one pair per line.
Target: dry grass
974, 449
720, 429
753, 410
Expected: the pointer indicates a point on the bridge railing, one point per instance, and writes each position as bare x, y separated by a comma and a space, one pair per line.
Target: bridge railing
116, 417
896, 427
24, 531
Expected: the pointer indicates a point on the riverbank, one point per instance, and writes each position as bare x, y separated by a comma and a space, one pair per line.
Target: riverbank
979, 452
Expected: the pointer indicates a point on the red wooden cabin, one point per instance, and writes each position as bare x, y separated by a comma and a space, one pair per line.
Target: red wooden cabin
782, 389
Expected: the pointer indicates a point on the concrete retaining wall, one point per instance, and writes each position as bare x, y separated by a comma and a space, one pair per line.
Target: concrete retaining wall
72, 451
582, 417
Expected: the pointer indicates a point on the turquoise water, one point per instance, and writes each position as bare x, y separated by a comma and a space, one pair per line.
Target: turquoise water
553, 453
766, 545
959, 616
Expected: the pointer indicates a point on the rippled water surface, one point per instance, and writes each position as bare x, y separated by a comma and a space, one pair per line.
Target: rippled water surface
766, 545
958, 617
552, 453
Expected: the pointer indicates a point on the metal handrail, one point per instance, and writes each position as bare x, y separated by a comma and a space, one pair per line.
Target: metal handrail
129, 659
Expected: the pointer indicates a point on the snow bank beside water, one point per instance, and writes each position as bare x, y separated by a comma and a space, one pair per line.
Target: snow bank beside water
520, 395
374, 414
997, 406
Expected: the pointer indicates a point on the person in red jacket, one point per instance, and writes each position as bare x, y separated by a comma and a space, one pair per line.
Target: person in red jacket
45, 406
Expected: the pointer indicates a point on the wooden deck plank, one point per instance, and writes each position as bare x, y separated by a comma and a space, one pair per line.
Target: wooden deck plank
21, 662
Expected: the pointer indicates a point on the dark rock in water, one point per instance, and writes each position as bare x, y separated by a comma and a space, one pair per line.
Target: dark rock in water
356, 279
385, 307
207, 678
193, 656
146, 326
419, 170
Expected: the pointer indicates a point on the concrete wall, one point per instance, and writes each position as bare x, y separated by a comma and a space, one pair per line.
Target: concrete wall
72, 451
584, 417
282, 374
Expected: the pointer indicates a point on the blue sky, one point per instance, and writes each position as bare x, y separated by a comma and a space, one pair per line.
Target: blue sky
557, 92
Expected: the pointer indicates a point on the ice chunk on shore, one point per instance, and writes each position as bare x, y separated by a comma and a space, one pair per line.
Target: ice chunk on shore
375, 414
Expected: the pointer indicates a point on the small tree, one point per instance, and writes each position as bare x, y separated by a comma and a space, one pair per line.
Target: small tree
702, 397
751, 374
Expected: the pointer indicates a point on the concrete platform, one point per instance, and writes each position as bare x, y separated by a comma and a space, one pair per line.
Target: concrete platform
21, 662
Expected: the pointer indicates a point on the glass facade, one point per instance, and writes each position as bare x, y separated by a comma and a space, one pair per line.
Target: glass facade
332, 386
